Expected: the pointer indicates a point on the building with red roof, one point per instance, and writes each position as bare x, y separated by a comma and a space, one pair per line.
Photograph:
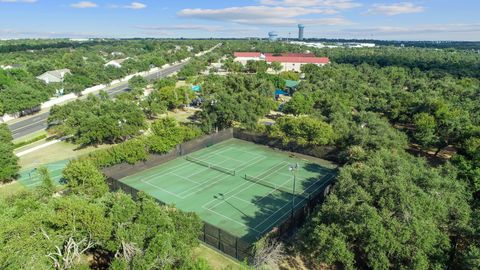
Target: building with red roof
289, 61
247, 54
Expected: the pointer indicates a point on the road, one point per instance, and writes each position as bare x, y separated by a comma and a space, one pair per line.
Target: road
39, 122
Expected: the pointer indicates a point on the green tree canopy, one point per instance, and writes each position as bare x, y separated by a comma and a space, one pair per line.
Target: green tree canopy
390, 211
83, 177
8, 160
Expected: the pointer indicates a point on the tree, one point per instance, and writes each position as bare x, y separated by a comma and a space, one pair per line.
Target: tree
276, 66
300, 103
269, 253
385, 212
47, 188
21, 97
8, 160
174, 97
425, 129
302, 130
149, 236
289, 75
83, 177
370, 132
137, 83
256, 66
235, 100
153, 104
97, 120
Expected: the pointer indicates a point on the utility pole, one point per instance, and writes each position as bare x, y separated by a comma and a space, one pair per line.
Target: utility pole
293, 169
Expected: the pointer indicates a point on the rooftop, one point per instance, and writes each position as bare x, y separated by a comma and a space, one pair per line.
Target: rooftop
247, 54
294, 59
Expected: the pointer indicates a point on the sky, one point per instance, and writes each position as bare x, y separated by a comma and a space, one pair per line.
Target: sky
357, 19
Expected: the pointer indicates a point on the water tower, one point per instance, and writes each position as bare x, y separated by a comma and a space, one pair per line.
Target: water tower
272, 36
301, 27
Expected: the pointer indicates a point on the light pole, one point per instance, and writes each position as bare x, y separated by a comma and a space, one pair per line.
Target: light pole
293, 169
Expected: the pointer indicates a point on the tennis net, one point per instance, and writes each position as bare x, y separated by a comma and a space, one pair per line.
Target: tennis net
265, 183
210, 165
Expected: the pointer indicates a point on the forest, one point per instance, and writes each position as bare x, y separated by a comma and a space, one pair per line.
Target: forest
404, 123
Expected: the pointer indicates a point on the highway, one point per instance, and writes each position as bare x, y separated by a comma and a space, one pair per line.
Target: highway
39, 121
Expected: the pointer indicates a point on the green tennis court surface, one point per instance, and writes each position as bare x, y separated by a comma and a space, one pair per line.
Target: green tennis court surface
30, 177
219, 184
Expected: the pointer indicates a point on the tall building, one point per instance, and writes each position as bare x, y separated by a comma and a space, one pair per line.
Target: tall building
300, 31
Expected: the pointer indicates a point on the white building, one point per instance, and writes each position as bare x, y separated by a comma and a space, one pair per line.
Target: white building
289, 61
244, 57
117, 63
7, 67
54, 76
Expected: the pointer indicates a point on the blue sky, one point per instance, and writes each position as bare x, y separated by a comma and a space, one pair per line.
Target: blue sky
377, 19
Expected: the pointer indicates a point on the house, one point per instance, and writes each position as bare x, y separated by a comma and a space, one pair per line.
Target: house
12, 66
116, 63
289, 61
116, 53
294, 63
244, 57
54, 76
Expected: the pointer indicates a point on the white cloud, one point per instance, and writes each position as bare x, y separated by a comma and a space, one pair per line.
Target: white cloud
395, 9
14, 34
135, 5
18, 1
420, 29
84, 4
183, 27
336, 4
262, 15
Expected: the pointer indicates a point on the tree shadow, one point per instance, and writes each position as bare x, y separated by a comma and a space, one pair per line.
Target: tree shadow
275, 213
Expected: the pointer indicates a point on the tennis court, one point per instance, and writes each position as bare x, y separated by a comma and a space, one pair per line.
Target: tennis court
30, 178
241, 187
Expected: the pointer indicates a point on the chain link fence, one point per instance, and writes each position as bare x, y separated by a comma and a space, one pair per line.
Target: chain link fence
323, 152
215, 237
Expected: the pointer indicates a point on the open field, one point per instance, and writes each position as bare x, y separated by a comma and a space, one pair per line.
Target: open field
237, 186
54, 157
9, 189
54, 153
217, 260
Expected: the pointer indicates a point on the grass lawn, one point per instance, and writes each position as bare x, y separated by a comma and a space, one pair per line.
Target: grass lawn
181, 115
216, 260
30, 137
9, 189
53, 153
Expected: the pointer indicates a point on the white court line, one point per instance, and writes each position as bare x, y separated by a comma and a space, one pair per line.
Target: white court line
253, 183
185, 178
223, 156
244, 225
206, 185
169, 192
195, 187
233, 196
237, 187
240, 199
302, 198
170, 169
159, 188
180, 195
167, 171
